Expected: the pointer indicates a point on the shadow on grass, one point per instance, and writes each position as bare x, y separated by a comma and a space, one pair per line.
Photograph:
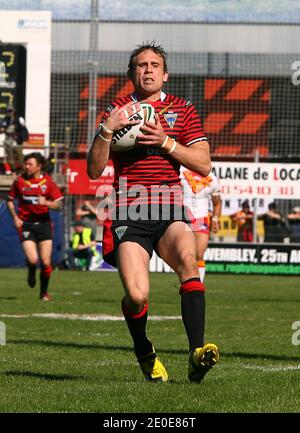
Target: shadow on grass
45, 376
68, 345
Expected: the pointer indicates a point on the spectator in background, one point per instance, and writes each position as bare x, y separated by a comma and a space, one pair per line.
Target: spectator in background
275, 225
294, 224
83, 245
16, 133
88, 215
198, 191
244, 220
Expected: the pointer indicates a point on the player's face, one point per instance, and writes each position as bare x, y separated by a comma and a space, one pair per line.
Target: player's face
79, 229
149, 74
32, 167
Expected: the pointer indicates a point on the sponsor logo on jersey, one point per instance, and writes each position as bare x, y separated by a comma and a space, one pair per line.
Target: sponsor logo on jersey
33, 199
26, 189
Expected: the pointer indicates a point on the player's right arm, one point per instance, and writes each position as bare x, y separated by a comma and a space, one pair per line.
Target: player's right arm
11, 207
12, 195
98, 154
98, 157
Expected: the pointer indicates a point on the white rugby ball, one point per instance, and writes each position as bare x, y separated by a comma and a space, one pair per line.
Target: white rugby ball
126, 138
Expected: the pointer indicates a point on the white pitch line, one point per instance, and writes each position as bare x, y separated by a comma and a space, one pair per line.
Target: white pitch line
90, 317
272, 369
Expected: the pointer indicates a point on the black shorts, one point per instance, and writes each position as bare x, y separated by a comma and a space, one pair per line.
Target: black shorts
36, 232
146, 233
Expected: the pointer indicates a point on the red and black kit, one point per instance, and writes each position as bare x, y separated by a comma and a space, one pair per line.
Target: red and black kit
146, 169
37, 223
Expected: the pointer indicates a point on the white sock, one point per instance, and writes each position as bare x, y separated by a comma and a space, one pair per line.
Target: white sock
201, 273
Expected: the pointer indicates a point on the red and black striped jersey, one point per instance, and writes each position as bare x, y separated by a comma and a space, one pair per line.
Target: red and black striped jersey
27, 192
146, 168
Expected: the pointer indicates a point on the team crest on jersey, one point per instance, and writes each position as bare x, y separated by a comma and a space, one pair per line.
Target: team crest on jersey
120, 231
170, 118
43, 188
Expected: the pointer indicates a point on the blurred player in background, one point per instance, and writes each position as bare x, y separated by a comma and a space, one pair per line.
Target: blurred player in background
275, 224
36, 193
175, 138
294, 224
198, 191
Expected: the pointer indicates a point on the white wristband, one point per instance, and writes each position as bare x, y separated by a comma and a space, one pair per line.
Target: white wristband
108, 140
109, 131
172, 148
165, 141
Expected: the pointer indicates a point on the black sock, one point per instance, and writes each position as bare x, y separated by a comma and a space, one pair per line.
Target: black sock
31, 267
44, 283
45, 278
31, 279
193, 316
137, 327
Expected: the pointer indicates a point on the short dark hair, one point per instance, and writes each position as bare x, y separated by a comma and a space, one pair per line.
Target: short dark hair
40, 159
78, 224
156, 48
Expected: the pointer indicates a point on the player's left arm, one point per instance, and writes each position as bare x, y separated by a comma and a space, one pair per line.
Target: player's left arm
217, 210
195, 155
51, 204
54, 198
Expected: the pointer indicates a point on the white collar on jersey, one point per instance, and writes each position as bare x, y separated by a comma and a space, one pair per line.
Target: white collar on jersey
135, 98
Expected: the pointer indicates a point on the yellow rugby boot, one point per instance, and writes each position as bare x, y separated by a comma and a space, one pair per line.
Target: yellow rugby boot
201, 360
152, 368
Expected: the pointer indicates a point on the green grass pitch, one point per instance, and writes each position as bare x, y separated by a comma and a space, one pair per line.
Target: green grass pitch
67, 363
